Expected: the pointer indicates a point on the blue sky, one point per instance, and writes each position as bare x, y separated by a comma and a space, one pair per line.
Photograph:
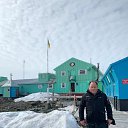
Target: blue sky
86, 29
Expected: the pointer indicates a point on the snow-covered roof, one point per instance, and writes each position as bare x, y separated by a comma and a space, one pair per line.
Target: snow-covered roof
7, 84
24, 81
15, 83
3, 82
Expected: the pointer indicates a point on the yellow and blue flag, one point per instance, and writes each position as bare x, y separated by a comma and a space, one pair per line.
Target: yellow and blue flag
49, 45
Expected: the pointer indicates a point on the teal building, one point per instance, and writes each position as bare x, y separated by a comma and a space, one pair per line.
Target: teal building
73, 77
23, 87
3, 80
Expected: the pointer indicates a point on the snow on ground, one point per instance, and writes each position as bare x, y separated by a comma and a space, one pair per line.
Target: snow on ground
121, 118
56, 119
41, 96
28, 119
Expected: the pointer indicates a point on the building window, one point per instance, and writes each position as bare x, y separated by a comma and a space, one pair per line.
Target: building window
82, 72
72, 64
109, 92
111, 76
63, 73
50, 85
43, 76
63, 85
77, 84
105, 83
39, 86
108, 79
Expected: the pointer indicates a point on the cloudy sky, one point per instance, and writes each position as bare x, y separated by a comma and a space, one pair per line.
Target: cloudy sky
89, 30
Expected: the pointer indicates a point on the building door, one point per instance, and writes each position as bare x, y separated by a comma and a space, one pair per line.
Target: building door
72, 87
115, 102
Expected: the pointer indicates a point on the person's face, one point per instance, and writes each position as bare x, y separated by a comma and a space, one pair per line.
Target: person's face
93, 88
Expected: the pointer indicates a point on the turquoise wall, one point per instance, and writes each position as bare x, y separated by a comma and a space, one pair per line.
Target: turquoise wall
6, 91
26, 89
73, 78
113, 79
1, 81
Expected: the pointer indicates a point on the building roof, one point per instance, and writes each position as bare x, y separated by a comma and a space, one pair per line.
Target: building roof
25, 81
89, 65
3, 82
15, 83
119, 61
2, 78
74, 59
7, 84
113, 64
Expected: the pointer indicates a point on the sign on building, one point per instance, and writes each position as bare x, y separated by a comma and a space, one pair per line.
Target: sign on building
125, 81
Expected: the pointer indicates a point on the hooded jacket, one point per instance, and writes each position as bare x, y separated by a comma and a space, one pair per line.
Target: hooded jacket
96, 107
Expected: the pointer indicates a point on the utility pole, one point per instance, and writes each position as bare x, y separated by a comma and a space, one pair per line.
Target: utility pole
10, 79
23, 69
10, 76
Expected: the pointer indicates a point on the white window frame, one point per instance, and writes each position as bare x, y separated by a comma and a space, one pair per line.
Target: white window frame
111, 77
63, 85
63, 73
43, 76
108, 79
82, 70
50, 86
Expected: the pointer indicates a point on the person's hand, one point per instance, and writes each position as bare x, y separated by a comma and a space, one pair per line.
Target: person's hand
83, 122
109, 121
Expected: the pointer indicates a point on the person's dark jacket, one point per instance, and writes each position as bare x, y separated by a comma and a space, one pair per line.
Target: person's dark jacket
96, 107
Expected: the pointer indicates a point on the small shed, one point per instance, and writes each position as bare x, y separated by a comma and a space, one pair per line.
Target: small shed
10, 89
115, 82
3, 80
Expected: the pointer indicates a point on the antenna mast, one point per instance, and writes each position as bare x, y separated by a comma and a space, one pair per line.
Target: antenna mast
23, 69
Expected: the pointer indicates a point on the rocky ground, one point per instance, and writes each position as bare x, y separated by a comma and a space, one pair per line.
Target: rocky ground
8, 104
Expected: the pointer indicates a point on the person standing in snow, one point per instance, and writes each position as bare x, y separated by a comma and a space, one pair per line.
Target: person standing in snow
96, 104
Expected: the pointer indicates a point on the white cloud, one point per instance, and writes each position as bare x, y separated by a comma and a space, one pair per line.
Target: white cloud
83, 29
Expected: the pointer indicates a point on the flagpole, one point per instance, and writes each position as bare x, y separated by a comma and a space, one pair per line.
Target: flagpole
48, 46
47, 72
47, 56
